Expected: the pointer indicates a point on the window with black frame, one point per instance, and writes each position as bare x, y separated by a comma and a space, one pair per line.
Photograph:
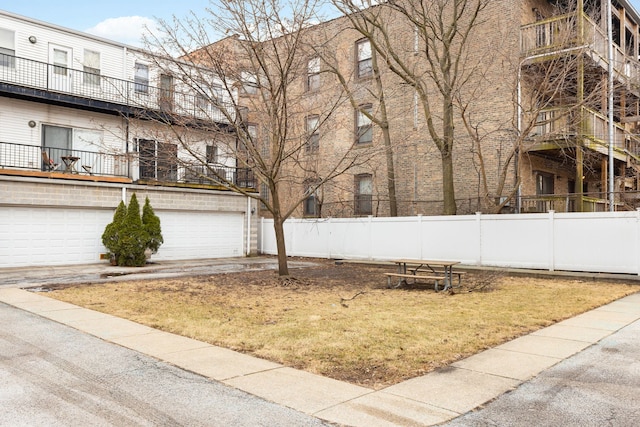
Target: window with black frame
363, 194
313, 134
364, 65
364, 130
311, 204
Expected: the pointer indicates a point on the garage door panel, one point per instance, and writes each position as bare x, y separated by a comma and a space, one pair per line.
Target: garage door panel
193, 235
51, 236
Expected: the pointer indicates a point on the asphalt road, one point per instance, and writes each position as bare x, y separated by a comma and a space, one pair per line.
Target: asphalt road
53, 375
597, 387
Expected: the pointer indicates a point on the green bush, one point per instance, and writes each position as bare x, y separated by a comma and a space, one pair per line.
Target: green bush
151, 224
127, 237
112, 232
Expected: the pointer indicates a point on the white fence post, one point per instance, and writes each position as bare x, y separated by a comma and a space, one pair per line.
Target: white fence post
370, 236
420, 239
479, 231
551, 242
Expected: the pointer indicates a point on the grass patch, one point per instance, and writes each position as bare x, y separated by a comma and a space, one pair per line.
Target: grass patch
341, 322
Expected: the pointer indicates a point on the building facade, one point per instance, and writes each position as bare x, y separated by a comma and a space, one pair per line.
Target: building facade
531, 119
84, 123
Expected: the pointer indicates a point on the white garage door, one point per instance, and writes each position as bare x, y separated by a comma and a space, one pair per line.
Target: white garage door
53, 236
194, 235
39, 236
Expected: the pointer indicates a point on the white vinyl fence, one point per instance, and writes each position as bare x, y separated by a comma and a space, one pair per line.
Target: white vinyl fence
607, 242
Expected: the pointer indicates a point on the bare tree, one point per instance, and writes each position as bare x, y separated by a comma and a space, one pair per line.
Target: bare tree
251, 104
437, 60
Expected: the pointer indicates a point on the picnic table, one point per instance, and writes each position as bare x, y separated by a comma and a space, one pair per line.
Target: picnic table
428, 270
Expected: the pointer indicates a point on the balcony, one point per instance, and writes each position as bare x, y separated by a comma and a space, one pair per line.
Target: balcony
591, 202
50, 162
557, 35
558, 126
47, 159
33, 80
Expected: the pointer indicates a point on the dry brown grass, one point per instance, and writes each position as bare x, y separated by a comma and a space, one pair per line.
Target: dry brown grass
341, 322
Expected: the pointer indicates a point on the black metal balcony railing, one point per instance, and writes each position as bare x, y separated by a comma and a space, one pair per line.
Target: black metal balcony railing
156, 168
219, 175
50, 159
32, 74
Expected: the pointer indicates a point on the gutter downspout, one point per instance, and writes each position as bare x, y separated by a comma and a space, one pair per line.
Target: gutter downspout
249, 214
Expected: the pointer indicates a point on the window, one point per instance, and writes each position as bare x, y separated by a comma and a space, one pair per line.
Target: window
60, 62
364, 130
363, 194
249, 83
158, 160
7, 48
141, 78
208, 95
313, 136
212, 154
165, 95
313, 74
91, 68
311, 204
264, 193
249, 137
544, 183
364, 67
56, 141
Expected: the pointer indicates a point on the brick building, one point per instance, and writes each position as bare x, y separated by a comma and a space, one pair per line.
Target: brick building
530, 118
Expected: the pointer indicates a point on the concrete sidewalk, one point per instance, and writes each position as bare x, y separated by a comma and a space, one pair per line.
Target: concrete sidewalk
428, 400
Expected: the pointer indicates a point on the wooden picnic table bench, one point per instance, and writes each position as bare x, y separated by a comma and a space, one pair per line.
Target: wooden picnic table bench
438, 271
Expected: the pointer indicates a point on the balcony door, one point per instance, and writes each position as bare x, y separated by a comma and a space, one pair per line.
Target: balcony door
56, 142
165, 95
60, 68
158, 160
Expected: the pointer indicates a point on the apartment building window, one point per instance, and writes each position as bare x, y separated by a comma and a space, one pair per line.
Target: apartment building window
364, 66
91, 68
249, 83
313, 74
311, 206
364, 130
264, 193
544, 183
212, 154
141, 78
313, 135
363, 194
165, 95
60, 62
209, 95
7, 48
158, 160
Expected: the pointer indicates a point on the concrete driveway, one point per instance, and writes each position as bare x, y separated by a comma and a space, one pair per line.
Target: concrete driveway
53, 375
599, 386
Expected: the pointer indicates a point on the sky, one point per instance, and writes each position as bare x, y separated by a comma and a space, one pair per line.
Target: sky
119, 20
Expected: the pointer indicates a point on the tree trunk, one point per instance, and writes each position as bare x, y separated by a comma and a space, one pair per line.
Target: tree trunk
446, 151
278, 226
447, 185
391, 175
386, 138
